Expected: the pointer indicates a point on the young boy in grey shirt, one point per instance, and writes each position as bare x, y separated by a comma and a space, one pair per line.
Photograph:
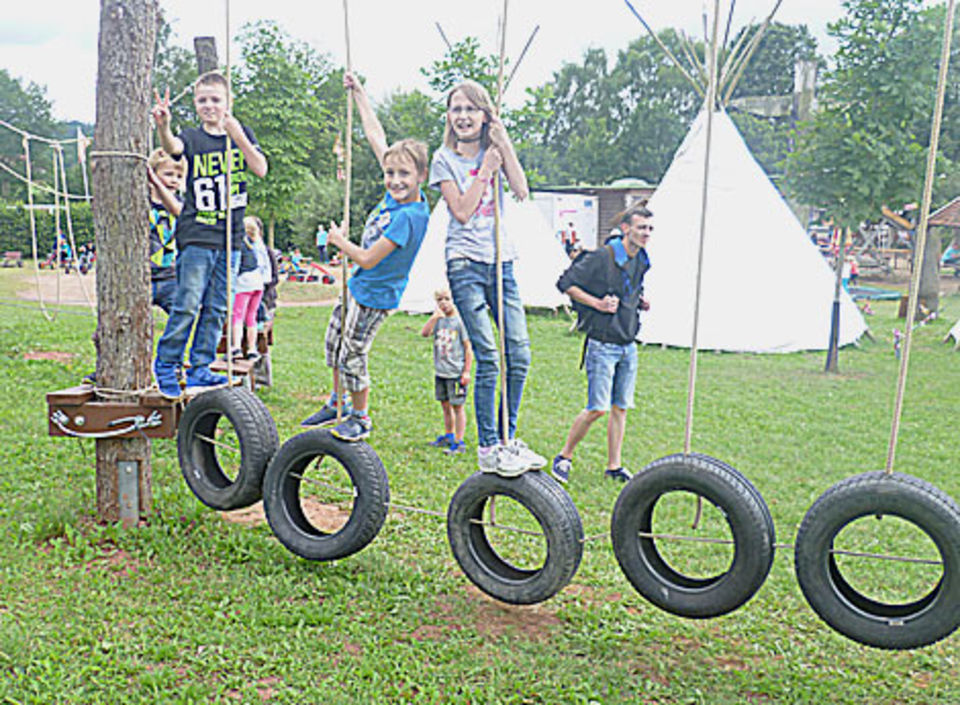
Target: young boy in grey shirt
452, 360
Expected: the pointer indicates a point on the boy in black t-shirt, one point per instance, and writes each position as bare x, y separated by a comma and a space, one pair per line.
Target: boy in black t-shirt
201, 230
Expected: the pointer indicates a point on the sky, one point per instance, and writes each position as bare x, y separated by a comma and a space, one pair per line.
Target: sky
54, 42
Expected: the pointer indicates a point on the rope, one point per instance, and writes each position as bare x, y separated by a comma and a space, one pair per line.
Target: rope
13, 303
39, 185
33, 234
348, 178
498, 246
58, 152
38, 138
118, 153
921, 243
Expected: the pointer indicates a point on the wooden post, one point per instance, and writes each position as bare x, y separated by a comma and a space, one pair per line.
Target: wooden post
125, 323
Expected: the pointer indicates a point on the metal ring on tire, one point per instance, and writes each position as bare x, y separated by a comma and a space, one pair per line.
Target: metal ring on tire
199, 451
740, 504
495, 574
285, 490
884, 625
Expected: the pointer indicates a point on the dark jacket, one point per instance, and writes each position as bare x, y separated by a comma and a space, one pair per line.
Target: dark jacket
598, 274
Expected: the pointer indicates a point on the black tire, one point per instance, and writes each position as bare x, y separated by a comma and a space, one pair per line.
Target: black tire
201, 468
285, 514
887, 626
553, 510
744, 510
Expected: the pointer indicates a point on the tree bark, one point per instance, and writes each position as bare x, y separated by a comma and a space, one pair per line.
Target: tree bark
120, 216
929, 294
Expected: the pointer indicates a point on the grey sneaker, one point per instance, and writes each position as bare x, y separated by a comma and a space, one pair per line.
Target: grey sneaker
327, 415
620, 475
534, 461
502, 460
353, 428
561, 469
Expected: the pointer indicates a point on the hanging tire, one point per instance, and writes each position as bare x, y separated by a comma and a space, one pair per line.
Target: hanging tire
855, 615
495, 575
283, 492
744, 511
200, 460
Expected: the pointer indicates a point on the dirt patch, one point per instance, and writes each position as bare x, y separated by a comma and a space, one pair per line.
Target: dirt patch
74, 289
325, 517
117, 562
55, 355
494, 619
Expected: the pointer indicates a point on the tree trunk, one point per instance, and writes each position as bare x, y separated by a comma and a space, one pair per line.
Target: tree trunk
929, 294
125, 324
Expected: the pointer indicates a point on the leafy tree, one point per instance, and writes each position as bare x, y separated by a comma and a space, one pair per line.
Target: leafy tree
770, 71
174, 68
25, 106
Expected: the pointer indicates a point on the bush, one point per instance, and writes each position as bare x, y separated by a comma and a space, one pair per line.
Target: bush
15, 227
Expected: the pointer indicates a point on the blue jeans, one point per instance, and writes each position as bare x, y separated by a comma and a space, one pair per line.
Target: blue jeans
611, 375
474, 289
164, 291
201, 286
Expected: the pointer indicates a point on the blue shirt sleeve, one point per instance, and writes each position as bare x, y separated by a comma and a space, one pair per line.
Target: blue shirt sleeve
399, 229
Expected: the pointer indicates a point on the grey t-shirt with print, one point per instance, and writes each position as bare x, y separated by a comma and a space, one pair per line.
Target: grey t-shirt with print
475, 238
449, 336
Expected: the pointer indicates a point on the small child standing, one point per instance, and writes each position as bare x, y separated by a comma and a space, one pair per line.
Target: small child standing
165, 174
255, 273
202, 267
452, 360
392, 236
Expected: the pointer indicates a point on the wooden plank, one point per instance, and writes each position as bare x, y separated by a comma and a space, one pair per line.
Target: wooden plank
72, 395
94, 418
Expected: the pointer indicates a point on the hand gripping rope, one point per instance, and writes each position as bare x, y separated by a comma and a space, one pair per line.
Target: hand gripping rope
870, 621
740, 505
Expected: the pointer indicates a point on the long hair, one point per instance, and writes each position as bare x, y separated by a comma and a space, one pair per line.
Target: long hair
477, 95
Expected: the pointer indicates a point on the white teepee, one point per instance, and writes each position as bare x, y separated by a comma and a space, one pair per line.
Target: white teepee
765, 286
955, 334
540, 259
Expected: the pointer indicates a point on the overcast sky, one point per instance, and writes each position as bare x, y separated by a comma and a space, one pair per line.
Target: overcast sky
54, 42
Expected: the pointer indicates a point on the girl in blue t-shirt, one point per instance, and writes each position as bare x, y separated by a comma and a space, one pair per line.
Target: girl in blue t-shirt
392, 236
475, 147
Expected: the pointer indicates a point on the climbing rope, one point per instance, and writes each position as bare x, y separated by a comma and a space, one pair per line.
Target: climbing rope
340, 380
33, 235
229, 204
498, 247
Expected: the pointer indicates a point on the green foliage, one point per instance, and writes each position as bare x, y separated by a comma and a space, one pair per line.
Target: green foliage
174, 68
15, 227
770, 71
25, 106
863, 149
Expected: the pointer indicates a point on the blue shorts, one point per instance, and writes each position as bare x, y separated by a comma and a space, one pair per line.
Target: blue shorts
611, 375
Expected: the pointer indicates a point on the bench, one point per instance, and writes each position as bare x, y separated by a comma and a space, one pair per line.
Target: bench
13, 258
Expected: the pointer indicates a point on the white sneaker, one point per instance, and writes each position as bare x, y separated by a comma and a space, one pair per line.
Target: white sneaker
534, 461
502, 460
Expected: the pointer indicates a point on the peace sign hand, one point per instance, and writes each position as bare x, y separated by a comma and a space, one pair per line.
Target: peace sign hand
161, 110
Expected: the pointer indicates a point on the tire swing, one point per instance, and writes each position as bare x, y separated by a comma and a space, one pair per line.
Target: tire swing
517, 573
304, 496
297, 491
725, 578
224, 464
488, 568
894, 497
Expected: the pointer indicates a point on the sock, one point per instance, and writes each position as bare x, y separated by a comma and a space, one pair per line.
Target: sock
485, 450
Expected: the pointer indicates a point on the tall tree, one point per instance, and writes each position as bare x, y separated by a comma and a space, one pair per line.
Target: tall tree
24, 105
174, 68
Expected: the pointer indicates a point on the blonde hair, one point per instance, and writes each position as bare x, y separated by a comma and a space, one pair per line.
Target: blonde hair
158, 158
477, 95
414, 150
254, 221
443, 290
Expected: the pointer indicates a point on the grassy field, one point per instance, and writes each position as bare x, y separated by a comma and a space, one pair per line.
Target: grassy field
193, 607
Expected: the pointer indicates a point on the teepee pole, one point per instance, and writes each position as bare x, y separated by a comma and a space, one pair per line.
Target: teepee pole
666, 50
348, 172
748, 54
498, 243
711, 108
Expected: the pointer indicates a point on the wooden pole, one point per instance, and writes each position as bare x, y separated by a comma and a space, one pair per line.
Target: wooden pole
125, 323
498, 242
347, 181
228, 206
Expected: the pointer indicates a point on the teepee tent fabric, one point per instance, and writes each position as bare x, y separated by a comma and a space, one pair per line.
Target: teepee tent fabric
765, 286
955, 334
540, 259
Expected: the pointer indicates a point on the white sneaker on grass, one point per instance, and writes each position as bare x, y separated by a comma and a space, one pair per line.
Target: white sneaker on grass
502, 460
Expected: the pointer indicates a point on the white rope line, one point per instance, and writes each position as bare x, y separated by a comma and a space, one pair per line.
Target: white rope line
228, 144
498, 247
39, 185
33, 237
58, 152
37, 138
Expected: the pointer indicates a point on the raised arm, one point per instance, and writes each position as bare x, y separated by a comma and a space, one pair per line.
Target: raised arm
365, 258
431, 323
167, 199
464, 204
171, 144
372, 128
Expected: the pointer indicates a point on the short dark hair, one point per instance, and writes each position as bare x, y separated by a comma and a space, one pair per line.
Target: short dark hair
640, 210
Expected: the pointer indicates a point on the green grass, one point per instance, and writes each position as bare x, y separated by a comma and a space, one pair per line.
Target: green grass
193, 608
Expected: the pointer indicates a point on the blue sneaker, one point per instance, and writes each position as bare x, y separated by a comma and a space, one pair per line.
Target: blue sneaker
445, 440
167, 379
620, 475
354, 428
455, 448
561, 469
203, 377
327, 414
